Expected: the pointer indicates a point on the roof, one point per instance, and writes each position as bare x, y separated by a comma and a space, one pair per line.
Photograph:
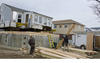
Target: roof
84, 32
15, 8
95, 28
42, 14
66, 22
22, 10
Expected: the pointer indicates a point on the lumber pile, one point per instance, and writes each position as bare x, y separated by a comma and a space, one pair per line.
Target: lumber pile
84, 52
58, 54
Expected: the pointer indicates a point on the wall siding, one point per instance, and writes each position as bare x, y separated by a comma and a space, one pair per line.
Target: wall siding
6, 13
64, 30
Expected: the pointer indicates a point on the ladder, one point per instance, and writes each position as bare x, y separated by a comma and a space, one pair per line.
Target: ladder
69, 30
51, 41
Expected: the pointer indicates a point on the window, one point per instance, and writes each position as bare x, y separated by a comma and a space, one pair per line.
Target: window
19, 18
65, 26
40, 19
60, 26
55, 26
45, 21
49, 22
36, 18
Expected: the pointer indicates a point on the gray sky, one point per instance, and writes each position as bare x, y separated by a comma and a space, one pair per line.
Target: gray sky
78, 10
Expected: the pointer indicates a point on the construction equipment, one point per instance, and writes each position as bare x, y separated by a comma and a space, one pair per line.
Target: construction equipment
21, 24
51, 41
69, 30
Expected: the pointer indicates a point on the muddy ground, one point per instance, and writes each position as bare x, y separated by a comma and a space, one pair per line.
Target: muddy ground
13, 54
97, 56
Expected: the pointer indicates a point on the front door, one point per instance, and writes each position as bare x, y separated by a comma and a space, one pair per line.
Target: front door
27, 18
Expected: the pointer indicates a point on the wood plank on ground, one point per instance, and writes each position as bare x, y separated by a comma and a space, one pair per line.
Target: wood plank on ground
50, 55
61, 53
55, 52
85, 52
72, 54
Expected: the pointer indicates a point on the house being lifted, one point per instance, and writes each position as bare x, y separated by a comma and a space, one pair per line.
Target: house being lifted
12, 18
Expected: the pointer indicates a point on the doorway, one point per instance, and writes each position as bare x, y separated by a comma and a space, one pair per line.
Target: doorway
27, 18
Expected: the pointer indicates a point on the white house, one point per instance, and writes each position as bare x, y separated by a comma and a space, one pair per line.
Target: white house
16, 17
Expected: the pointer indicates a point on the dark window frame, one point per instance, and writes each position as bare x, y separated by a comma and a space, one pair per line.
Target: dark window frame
55, 26
19, 18
65, 26
60, 26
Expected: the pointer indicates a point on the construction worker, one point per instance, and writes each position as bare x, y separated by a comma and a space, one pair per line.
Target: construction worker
66, 43
32, 45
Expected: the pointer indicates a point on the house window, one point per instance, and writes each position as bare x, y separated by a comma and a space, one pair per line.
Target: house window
40, 19
36, 18
55, 26
45, 21
49, 22
19, 18
65, 26
60, 26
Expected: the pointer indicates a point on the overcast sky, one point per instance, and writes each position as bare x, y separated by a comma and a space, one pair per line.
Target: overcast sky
77, 10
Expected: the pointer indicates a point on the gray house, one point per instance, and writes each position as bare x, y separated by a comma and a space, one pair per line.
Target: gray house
15, 17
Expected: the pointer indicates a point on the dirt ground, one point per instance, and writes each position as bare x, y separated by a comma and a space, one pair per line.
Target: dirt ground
12, 54
97, 56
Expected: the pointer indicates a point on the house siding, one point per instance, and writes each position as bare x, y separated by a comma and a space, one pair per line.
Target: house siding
63, 30
6, 13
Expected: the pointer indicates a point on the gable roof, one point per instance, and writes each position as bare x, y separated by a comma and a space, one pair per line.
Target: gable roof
95, 28
22, 10
16, 9
66, 22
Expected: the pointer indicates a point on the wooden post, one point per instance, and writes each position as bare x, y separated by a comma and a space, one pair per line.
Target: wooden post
89, 45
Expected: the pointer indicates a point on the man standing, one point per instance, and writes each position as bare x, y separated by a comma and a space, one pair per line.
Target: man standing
66, 42
32, 45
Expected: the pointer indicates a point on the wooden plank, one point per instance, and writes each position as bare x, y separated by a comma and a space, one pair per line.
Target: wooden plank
97, 42
72, 54
55, 52
59, 44
50, 55
89, 45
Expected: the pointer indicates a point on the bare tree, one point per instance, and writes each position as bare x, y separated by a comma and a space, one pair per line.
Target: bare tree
96, 7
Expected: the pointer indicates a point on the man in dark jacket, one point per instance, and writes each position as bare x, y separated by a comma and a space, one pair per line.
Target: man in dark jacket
66, 42
32, 44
